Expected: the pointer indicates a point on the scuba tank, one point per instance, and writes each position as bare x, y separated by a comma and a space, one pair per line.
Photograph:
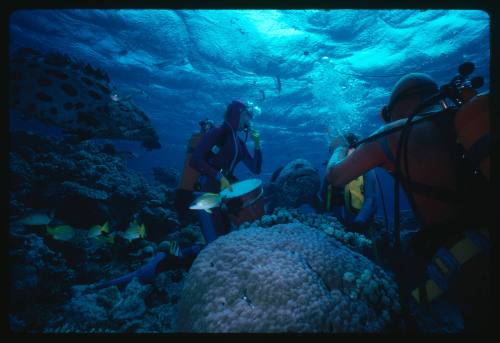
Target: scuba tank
190, 175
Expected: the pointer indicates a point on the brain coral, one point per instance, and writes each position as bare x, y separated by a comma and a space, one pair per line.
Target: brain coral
287, 278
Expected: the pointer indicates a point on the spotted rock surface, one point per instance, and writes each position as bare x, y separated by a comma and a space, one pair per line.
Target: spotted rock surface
74, 96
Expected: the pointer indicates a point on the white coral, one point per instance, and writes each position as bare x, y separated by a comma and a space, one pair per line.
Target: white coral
281, 279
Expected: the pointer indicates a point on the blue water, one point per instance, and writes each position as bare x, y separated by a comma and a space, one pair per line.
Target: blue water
336, 69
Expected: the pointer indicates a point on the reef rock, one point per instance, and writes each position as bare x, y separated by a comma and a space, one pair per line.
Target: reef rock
83, 183
166, 176
297, 184
37, 274
287, 278
74, 96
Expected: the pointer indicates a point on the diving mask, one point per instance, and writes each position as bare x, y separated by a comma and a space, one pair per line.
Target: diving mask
253, 109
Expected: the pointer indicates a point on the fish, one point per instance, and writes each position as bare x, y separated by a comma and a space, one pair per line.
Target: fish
106, 238
262, 94
206, 202
35, 219
278, 84
98, 230
61, 232
135, 231
58, 90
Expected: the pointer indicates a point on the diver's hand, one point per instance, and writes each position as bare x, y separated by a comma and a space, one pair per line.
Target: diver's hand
337, 141
255, 135
224, 183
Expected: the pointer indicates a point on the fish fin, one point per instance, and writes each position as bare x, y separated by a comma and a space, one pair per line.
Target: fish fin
142, 231
208, 210
105, 227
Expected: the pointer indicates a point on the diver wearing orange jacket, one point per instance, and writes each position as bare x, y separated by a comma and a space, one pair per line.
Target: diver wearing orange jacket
444, 168
187, 183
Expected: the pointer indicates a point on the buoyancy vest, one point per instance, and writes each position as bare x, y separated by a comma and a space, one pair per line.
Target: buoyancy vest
448, 261
354, 195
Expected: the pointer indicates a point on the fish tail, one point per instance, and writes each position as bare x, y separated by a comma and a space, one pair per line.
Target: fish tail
105, 227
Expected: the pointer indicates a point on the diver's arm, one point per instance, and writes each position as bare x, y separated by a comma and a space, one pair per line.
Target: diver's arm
367, 212
343, 169
198, 159
338, 155
253, 164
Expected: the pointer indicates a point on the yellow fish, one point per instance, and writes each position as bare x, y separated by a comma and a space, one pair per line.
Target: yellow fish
61, 232
35, 219
206, 202
97, 230
110, 239
135, 231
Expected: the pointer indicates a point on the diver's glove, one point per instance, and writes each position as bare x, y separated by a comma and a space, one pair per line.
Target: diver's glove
256, 138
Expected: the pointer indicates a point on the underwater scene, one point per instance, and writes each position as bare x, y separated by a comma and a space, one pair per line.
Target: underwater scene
248, 171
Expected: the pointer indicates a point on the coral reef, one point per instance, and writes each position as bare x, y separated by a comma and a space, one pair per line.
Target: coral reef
39, 277
58, 90
297, 183
85, 185
328, 224
166, 176
287, 278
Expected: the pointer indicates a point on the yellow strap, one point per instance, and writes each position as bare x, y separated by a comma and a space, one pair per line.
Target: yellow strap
462, 251
431, 288
441, 266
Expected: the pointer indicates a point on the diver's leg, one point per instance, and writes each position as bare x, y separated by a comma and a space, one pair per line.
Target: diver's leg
181, 203
221, 222
208, 227
472, 289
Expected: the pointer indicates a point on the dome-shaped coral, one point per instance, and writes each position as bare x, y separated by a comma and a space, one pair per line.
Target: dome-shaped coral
288, 278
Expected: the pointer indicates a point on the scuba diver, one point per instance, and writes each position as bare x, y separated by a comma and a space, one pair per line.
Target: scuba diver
436, 144
188, 181
215, 157
354, 205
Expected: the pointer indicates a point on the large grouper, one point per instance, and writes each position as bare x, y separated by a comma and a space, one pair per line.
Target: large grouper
58, 90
